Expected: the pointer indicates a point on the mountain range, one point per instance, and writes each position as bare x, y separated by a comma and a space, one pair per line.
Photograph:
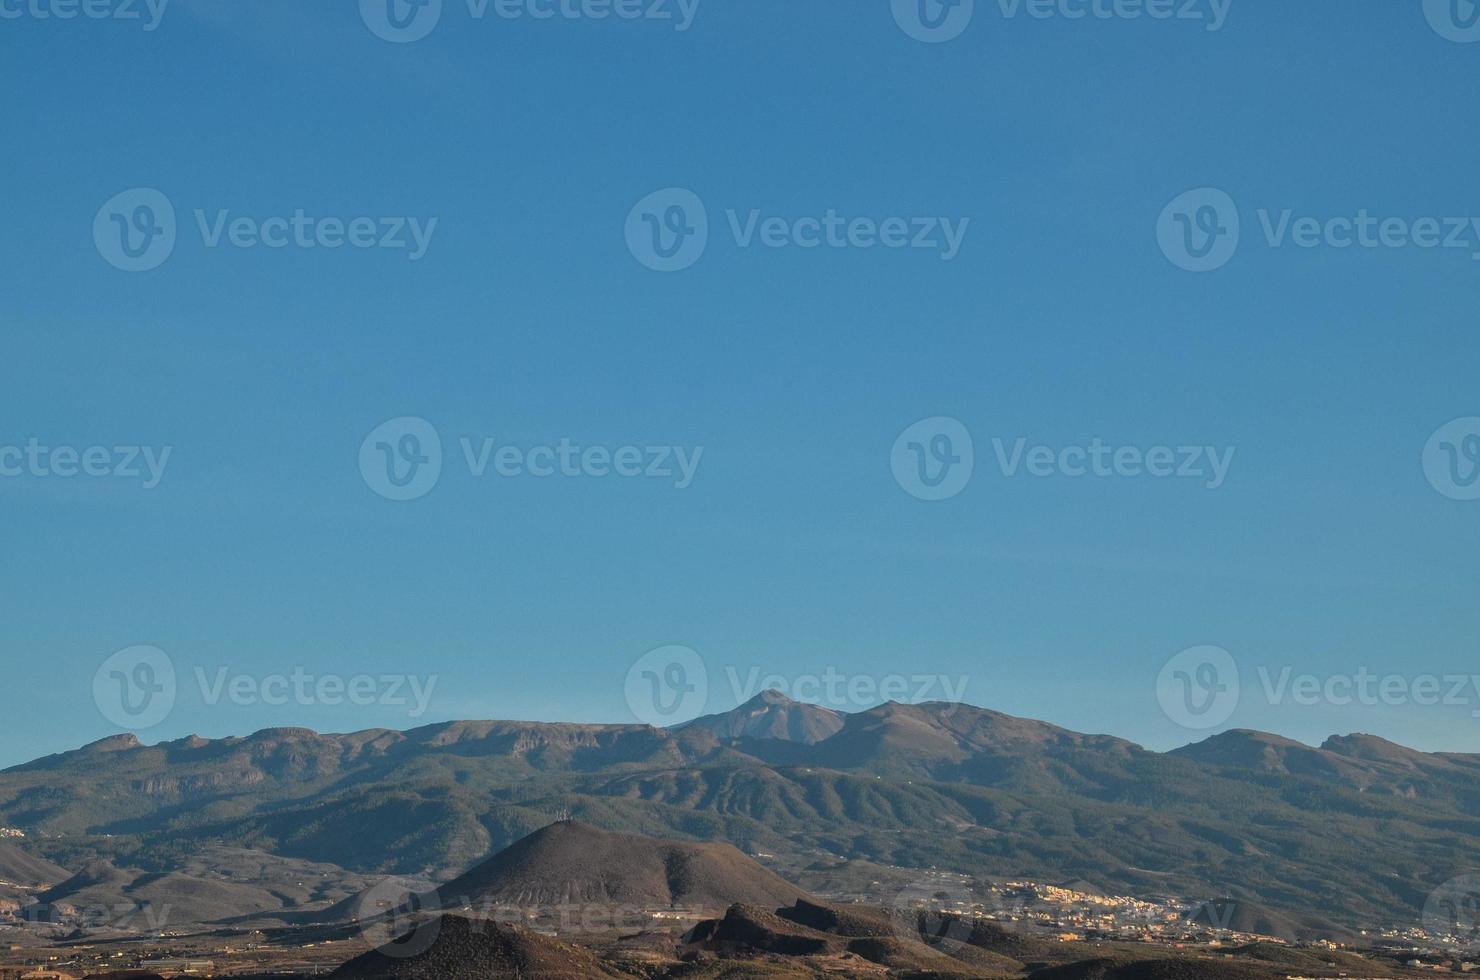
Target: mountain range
1359, 829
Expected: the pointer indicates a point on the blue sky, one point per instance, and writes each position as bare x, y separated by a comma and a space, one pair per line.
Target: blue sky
794, 550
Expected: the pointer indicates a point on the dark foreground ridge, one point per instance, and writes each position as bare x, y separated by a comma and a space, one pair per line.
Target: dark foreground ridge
469, 950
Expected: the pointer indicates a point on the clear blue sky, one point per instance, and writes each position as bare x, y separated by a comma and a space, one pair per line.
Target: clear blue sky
529, 321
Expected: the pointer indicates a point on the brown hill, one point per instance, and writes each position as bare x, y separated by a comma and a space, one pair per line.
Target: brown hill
1259, 920
20, 867
883, 937
573, 864
214, 884
468, 950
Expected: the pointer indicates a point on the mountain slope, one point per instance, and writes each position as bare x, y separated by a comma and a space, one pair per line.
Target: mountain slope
1246, 816
19, 867
573, 864
772, 715
467, 950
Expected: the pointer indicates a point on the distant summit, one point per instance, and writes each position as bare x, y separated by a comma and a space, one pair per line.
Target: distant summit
773, 715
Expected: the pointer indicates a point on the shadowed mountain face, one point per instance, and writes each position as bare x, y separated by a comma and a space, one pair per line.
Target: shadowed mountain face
211, 884
810, 941
1362, 762
1247, 816
19, 867
1255, 919
573, 864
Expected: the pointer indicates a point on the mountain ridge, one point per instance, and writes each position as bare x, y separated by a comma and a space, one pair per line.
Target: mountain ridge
1242, 815
452, 732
